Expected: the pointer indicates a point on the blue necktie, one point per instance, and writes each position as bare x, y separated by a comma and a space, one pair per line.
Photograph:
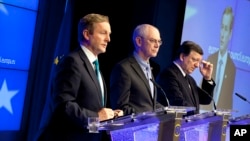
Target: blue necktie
149, 76
98, 74
217, 92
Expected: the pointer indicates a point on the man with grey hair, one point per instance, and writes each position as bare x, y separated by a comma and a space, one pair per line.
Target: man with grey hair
131, 88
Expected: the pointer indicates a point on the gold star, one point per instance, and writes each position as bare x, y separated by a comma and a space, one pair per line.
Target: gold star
56, 60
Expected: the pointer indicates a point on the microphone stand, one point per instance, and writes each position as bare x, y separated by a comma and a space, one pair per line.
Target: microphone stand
158, 86
215, 107
242, 97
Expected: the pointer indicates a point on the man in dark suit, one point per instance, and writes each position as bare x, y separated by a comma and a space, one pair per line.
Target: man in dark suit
130, 86
77, 92
179, 86
224, 67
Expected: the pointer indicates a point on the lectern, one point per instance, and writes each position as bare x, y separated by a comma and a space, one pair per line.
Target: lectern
168, 124
208, 126
160, 125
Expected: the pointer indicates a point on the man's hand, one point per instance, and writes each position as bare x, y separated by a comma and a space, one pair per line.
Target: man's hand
105, 114
206, 69
118, 113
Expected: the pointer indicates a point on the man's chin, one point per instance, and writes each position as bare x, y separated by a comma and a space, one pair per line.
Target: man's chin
102, 51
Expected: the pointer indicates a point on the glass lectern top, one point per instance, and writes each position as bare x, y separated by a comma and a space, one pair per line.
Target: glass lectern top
166, 113
224, 111
240, 118
180, 109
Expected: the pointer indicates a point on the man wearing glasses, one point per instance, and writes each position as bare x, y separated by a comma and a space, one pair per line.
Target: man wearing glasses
131, 87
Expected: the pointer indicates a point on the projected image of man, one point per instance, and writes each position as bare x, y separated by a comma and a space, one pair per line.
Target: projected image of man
224, 67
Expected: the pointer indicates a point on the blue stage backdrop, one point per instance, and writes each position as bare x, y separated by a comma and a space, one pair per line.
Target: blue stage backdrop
18, 19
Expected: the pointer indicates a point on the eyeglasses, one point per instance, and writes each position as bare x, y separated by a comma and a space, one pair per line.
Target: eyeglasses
154, 41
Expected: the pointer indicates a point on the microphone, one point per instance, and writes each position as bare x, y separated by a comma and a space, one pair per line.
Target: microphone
242, 97
215, 107
158, 86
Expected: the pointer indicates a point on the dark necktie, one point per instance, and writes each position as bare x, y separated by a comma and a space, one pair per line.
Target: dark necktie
192, 96
186, 77
98, 74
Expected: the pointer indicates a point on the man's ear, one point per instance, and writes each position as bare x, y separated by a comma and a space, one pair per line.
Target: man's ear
85, 34
138, 41
181, 56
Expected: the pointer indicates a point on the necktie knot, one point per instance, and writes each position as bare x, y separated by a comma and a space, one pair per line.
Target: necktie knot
186, 77
96, 63
220, 62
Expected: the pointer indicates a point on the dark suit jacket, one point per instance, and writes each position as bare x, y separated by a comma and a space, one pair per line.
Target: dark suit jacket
177, 89
129, 88
227, 87
76, 95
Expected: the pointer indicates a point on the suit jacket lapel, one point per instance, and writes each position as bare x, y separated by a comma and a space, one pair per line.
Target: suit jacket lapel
140, 73
92, 73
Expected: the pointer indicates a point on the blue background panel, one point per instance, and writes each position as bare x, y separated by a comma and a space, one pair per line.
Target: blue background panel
29, 4
12, 95
16, 37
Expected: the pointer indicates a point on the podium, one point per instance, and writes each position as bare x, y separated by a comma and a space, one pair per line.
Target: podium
208, 126
168, 124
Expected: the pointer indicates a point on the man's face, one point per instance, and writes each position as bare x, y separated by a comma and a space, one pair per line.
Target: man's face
225, 32
151, 43
190, 62
100, 37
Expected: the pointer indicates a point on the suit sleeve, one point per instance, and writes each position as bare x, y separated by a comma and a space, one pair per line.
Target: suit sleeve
206, 92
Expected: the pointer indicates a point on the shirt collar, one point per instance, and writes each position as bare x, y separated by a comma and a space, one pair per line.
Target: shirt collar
140, 61
89, 54
223, 58
183, 73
